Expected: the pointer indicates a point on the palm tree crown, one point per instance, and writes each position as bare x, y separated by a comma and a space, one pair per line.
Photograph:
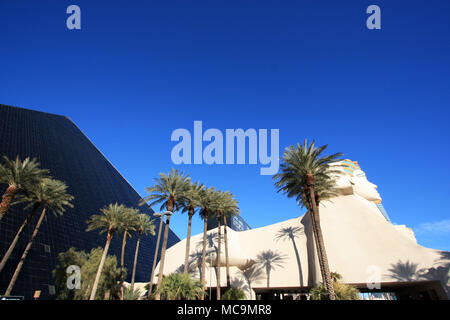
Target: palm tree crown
129, 221
302, 161
21, 174
49, 193
191, 197
111, 218
145, 225
169, 190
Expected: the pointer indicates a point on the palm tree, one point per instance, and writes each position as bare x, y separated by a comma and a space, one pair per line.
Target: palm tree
225, 203
309, 177
207, 199
19, 176
190, 204
269, 260
109, 221
144, 226
169, 191
231, 211
129, 225
50, 195
132, 294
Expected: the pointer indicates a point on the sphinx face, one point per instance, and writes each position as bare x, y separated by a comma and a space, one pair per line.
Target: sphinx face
364, 188
354, 181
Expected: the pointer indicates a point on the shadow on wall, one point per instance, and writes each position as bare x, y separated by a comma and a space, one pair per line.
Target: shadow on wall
311, 250
269, 260
290, 233
409, 271
251, 275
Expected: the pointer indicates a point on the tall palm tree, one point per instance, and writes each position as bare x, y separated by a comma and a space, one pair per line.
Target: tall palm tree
231, 211
225, 203
144, 226
269, 260
109, 221
129, 225
169, 191
207, 199
190, 204
19, 176
308, 176
50, 195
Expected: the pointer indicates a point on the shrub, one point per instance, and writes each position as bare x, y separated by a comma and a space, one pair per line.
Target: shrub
234, 294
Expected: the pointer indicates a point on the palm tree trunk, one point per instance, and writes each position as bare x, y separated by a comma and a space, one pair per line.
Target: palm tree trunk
318, 248
155, 257
268, 276
135, 260
227, 260
17, 237
7, 197
122, 262
188, 241
321, 245
163, 256
102, 262
219, 245
205, 230
25, 253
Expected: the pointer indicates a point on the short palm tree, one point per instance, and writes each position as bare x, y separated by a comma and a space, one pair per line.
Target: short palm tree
308, 176
109, 221
343, 291
169, 191
269, 260
19, 176
132, 294
180, 286
144, 226
190, 204
49, 195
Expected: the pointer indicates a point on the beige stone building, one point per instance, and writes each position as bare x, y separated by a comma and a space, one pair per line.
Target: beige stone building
361, 243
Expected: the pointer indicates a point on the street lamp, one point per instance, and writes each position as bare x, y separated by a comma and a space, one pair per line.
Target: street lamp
160, 216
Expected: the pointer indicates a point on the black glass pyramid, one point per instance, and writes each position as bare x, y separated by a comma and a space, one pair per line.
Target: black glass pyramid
61, 147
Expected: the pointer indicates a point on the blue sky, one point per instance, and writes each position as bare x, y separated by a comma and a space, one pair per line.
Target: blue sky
137, 70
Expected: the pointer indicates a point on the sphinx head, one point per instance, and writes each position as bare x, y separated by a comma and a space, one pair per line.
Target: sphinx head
353, 180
